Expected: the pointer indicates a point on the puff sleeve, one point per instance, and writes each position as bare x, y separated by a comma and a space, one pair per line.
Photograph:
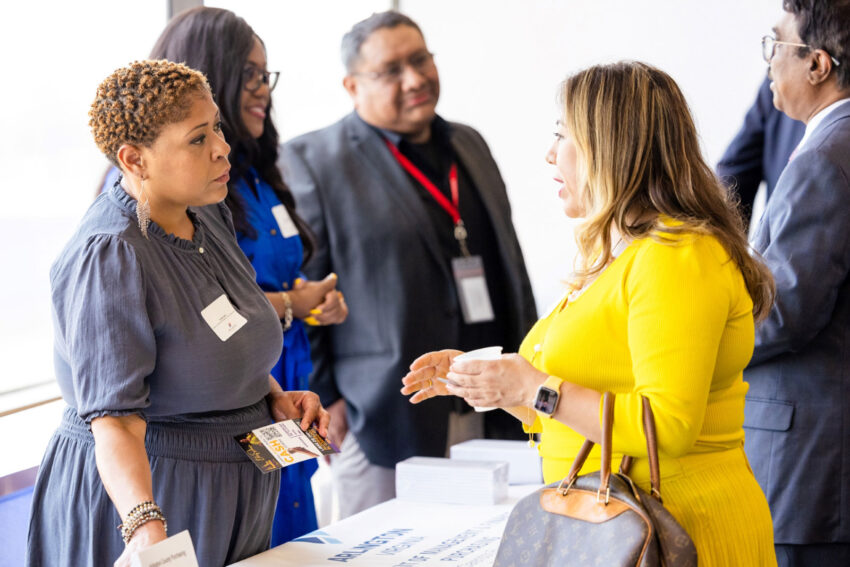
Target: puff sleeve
105, 343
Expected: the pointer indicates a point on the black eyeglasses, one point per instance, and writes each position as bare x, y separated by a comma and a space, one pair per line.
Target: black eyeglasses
253, 79
421, 62
769, 43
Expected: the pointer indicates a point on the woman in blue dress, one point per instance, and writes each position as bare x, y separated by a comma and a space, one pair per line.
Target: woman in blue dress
276, 241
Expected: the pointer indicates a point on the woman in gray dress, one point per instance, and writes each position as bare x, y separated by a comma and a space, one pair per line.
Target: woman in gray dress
163, 345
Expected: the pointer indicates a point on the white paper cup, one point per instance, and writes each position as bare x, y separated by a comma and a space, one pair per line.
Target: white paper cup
486, 353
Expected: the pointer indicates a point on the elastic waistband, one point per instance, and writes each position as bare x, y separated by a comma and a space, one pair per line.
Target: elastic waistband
208, 437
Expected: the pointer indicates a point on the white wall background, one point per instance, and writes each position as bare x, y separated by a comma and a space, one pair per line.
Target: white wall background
54, 54
500, 62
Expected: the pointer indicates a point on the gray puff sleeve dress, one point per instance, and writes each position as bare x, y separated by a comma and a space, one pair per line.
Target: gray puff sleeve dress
130, 339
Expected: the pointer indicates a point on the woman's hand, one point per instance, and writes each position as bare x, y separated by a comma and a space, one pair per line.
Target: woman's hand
425, 372
509, 382
308, 295
299, 404
332, 311
145, 536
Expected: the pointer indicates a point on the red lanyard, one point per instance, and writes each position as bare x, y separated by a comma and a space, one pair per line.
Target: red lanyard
449, 207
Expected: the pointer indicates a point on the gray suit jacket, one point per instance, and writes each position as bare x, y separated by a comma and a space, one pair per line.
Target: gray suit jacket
373, 232
797, 416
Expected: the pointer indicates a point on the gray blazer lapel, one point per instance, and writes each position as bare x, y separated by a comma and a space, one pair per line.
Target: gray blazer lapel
484, 179
395, 183
761, 237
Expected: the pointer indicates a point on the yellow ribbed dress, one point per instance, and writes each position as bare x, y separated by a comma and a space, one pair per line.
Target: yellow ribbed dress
671, 321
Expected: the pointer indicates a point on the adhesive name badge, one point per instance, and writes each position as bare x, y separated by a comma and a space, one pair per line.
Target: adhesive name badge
472, 289
284, 221
223, 318
176, 551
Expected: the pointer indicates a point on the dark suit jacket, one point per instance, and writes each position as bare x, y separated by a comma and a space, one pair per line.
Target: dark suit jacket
797, 416
373, 232
760, 150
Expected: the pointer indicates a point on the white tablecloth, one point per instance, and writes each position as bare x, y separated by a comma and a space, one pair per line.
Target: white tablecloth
401, 533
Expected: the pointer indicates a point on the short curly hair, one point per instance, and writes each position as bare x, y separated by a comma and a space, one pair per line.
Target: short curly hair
134, 103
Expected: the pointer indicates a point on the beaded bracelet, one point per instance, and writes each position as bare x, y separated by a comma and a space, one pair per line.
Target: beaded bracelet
141, 514
287, 310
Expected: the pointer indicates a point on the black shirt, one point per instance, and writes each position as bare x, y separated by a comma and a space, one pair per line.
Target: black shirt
434, 158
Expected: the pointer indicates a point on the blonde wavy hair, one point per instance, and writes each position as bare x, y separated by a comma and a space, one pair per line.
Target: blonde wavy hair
135, 102
638, 159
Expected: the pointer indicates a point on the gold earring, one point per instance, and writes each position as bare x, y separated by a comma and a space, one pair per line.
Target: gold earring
143, 210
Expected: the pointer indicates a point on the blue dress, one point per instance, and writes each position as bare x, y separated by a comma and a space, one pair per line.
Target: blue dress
277, 261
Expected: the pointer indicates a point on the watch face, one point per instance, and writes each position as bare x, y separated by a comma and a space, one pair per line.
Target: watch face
546, 400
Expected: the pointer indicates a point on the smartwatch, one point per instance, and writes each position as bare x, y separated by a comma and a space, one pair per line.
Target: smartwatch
548, 394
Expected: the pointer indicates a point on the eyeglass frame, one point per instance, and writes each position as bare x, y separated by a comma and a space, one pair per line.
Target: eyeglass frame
268, 78
386, 76
774, 42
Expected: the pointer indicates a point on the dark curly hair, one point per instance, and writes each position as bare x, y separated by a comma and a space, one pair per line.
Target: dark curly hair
217, 42
134, 103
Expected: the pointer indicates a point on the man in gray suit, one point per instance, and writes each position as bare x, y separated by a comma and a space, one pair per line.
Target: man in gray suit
412, 214
797, 415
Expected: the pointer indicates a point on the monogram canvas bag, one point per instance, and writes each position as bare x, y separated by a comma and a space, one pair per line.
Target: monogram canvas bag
598, 518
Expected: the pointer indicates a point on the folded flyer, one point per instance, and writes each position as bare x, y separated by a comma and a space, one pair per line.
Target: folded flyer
282, 444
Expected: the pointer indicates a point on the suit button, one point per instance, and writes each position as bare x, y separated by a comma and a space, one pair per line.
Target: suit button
273, 232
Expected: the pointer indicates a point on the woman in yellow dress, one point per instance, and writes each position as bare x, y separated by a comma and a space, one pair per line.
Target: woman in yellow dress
662, 304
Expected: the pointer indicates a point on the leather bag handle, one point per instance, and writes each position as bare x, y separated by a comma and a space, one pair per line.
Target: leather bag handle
607, 450
581, 457
651, 451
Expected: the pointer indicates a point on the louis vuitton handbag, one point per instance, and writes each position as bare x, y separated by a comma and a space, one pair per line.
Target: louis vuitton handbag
598, 518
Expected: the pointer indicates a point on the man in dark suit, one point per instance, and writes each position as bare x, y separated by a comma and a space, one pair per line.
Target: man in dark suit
797, 416
412, 214
760, 150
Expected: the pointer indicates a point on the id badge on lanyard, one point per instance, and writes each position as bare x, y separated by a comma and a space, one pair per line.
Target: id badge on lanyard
468, 270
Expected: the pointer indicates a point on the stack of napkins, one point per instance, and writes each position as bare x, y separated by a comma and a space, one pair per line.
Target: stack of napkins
452, 481
524, 462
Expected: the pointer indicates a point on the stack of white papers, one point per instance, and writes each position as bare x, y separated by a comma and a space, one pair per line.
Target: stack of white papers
524, 462
452, 481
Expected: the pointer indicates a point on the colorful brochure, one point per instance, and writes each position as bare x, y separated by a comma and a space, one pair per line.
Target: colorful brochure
282, 444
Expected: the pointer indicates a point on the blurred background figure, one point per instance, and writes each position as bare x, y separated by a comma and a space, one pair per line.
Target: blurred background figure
798, 408
759, 151
275, 239
411, 211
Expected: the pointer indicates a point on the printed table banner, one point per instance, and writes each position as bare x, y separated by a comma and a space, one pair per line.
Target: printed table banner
401, 533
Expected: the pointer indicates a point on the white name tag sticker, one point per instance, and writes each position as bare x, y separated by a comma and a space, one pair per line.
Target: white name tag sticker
472, 289
176, 551
223, 318
284, 221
